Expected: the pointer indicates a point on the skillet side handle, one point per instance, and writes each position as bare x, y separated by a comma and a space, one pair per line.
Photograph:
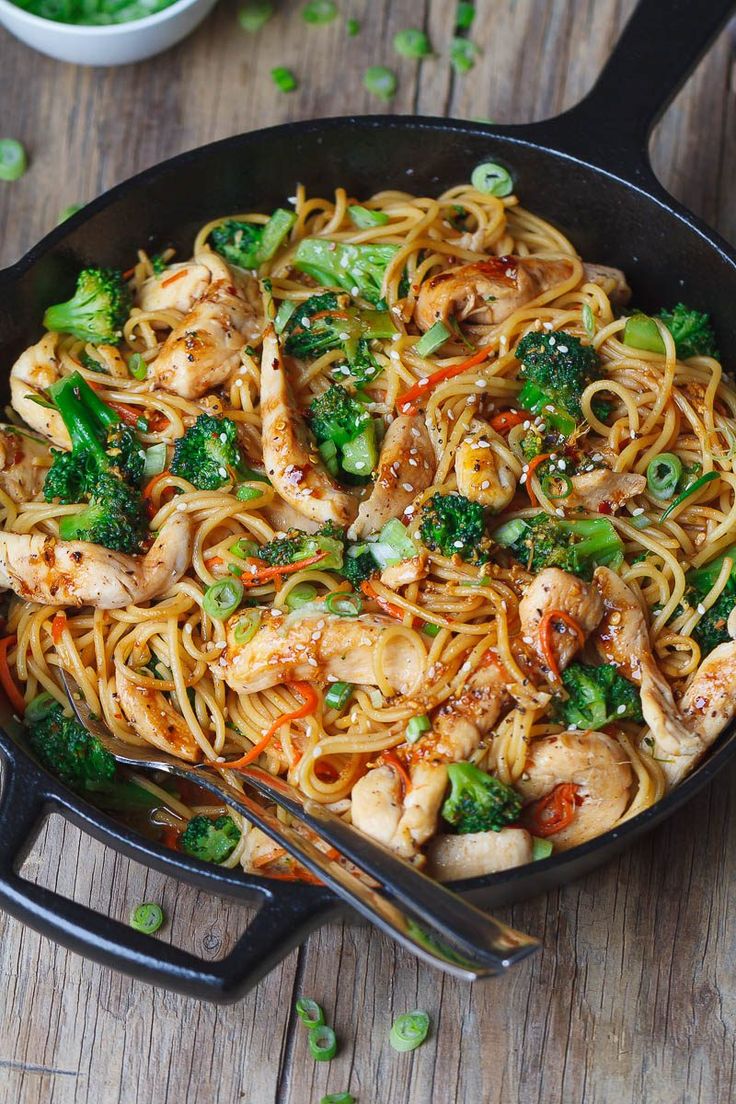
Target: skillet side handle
658, 49
281, 923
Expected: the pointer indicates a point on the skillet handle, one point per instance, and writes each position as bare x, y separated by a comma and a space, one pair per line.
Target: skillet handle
281, 923
658, 49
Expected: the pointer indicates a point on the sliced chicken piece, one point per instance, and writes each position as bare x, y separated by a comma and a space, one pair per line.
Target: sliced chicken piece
418, 820
292, 462
75, 573
487, 292
405, 468
258, 850
482, 470
282, 517
316, 646
150, 715
554, 589
707, 706
462, 721
594, 489
612, 280
24, 461
177, 288
452, 858
592, 761
204, 348
408, 571
33, 372
623, 638
376, 804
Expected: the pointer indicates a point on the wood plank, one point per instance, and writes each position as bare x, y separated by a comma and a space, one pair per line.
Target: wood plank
633, 998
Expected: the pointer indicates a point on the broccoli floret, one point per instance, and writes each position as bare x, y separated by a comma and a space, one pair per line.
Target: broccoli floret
556, 369
711, 630
68, 750
251, 244
208, 452
478, 802
692, 331
327, 322
158, 264
454, 526
597, 696
337, 416
357, 569
358, 269
103, 468
97, 310
574, 546
298, 545
210, 840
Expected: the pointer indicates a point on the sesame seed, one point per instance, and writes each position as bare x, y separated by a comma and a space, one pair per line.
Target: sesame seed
457, 544
700, 608
407, 486
560, 512
621, 709
637, 512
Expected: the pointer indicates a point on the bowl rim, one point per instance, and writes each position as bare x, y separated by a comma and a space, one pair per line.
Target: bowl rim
109, 30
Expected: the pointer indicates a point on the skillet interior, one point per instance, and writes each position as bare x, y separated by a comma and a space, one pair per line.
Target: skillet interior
634, 226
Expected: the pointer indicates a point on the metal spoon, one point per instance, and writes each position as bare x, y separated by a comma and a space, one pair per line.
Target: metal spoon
423, 916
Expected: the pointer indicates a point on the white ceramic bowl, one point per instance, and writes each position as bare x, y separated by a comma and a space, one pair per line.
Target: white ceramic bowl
116, 44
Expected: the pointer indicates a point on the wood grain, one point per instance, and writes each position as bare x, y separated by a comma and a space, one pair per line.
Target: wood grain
633, 999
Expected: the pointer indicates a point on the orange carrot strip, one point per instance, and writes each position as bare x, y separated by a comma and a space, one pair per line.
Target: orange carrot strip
128, 414
7, 682
545, 636
311, 701
393, 761
533, 465
381, 602
554, 811
407, 403
269, 857
172, 279
57, 627
265, 574
507, 419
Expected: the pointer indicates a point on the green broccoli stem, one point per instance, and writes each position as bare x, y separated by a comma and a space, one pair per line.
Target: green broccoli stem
84, 414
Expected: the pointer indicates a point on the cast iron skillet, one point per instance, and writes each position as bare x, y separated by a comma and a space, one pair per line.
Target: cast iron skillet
588, 172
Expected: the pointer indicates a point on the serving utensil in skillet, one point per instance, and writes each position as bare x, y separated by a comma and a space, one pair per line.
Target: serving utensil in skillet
420, 914
587, 172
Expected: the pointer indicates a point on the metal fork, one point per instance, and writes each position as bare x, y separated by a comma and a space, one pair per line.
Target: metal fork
425, 917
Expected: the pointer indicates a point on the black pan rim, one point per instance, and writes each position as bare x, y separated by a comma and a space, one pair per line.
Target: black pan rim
58, 798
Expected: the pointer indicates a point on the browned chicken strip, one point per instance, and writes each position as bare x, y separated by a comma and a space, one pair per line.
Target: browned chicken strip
406, 467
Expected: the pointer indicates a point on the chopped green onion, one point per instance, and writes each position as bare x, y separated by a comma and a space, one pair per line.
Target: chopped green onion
303, 594
155, 461
344, 605
364, 218
416, 727
338, 1098
641, 332
663, 474
283, 314
39, 707
432, 630
247, 626
338, 695
641, 521
138, 367
255, 15
380, 82
222, 598
68, 212
284, 79
244, 493
409, 1031
463, 54
309, 1012
464, 15
412, 43
319, 12
353, 27
360, 456
322, 1043
147, 918
691, 490
556, 485
13, 160
393, 545
435, 337
493, 179
588, 320
541, 848
244, 548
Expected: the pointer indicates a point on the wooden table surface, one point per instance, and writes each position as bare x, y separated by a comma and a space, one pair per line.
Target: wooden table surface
633, 997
